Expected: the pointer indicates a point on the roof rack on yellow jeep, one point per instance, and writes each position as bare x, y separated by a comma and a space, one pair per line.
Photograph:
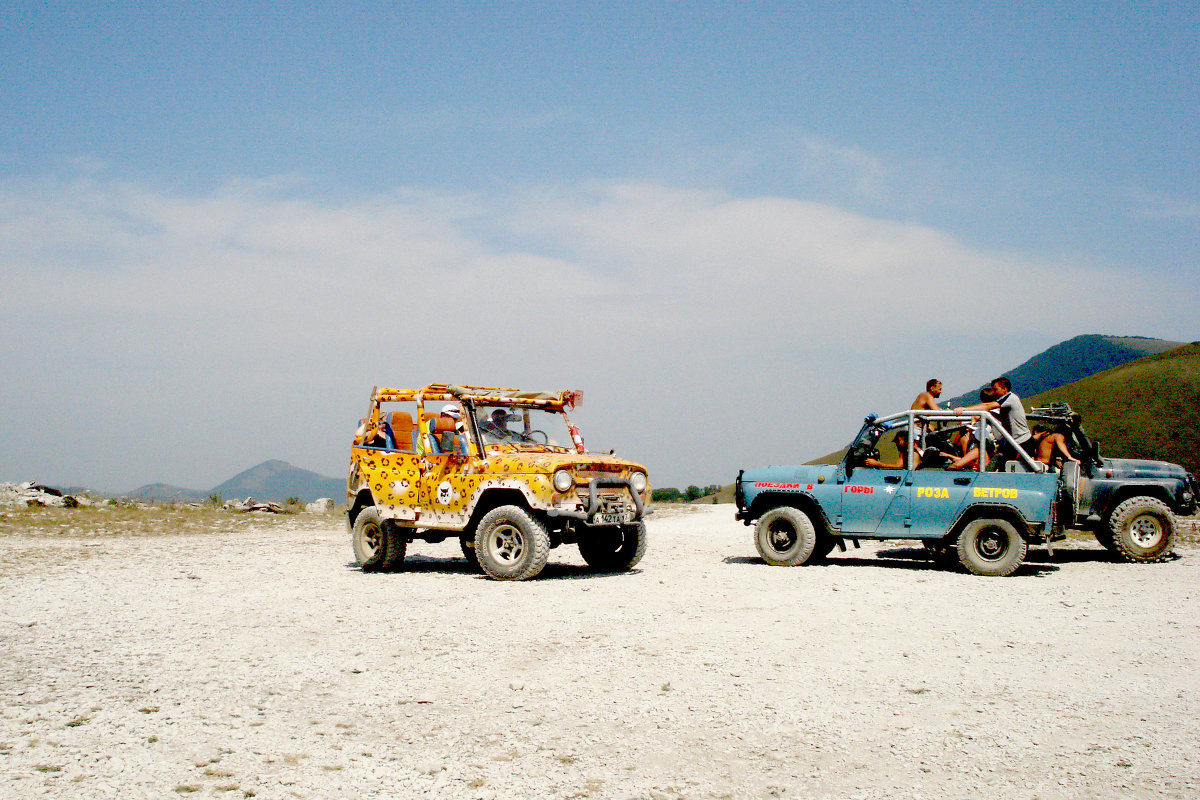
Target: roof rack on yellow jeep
484, 394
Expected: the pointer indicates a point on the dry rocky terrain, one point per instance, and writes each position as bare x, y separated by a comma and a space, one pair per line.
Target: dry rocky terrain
154, 653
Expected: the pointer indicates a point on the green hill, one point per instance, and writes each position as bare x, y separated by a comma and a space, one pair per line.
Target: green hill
270, 481
1073, 360
277, 480
164, 493
1141, 409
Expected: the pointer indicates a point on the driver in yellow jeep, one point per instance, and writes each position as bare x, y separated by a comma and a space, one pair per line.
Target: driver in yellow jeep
496, 424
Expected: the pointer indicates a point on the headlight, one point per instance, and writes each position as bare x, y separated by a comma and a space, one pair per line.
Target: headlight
563, 480
639, 482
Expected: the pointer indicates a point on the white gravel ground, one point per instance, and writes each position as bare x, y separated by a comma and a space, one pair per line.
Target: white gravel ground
262, 663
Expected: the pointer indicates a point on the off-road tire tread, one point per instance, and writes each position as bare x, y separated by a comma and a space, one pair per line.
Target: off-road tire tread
397, 547
535, 533
966, 556
623, 560
806, 536
1126, 511
369, 516
826, 542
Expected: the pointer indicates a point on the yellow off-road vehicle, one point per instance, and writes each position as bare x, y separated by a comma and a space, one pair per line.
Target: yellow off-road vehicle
503, 471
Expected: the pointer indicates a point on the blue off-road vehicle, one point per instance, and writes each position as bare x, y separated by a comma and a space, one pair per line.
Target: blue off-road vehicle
983, 514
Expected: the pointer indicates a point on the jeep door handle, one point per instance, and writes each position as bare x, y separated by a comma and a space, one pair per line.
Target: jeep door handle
892, 478
962, 481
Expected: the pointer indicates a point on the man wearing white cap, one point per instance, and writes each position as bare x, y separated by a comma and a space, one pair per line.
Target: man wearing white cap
447, 441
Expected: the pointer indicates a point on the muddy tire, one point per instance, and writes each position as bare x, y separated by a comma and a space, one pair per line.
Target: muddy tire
397, 547
510, 544
1104, 537
824, 546
991, 547
614, 548
785, 537
368, 540
1142, 530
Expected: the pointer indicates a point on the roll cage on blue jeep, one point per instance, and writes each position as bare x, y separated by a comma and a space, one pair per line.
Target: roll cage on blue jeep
985, 517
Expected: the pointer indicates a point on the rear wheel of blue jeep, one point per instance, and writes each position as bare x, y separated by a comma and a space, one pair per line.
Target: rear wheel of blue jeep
785, 537
1142, 530
991, 547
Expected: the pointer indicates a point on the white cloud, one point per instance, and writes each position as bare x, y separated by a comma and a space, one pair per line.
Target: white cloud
866, 173
264, 302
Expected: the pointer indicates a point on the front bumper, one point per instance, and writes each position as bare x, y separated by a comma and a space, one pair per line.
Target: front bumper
1190, 496
597, 505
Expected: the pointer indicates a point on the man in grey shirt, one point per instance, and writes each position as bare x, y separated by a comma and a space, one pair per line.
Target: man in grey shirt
1012, 416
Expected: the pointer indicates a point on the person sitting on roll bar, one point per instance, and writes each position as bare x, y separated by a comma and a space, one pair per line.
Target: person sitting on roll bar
1012, 416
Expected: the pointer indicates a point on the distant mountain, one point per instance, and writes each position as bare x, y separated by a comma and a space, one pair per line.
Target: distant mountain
1073, 360
1142, 409
164, 493
278, 480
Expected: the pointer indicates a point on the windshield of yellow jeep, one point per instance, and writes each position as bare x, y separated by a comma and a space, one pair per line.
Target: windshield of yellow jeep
523, 428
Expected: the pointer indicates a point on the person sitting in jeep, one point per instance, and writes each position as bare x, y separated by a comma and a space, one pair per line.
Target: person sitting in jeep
378, 434
496, 424
1012, 416
970, 459
446, 431
1051, 447
901, 451
495, 430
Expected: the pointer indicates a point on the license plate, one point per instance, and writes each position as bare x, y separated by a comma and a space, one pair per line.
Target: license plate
612, 519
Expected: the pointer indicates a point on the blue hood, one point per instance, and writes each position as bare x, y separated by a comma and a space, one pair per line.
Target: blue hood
1142, 468
785, 475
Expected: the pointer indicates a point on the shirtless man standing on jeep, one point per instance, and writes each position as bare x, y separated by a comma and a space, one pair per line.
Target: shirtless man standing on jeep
927, 400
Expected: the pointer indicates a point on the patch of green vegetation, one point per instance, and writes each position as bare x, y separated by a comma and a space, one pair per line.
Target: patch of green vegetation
157, 519
691, 494
1073, 360
1141, 409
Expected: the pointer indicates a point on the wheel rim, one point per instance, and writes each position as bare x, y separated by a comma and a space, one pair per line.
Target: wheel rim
372, 538
991, 544
781, 536
1146, 531
507, 544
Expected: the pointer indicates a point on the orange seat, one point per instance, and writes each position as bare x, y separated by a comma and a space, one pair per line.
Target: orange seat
402, 431
440, 427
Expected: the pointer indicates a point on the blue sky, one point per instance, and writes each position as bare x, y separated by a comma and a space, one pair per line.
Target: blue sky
241, 214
